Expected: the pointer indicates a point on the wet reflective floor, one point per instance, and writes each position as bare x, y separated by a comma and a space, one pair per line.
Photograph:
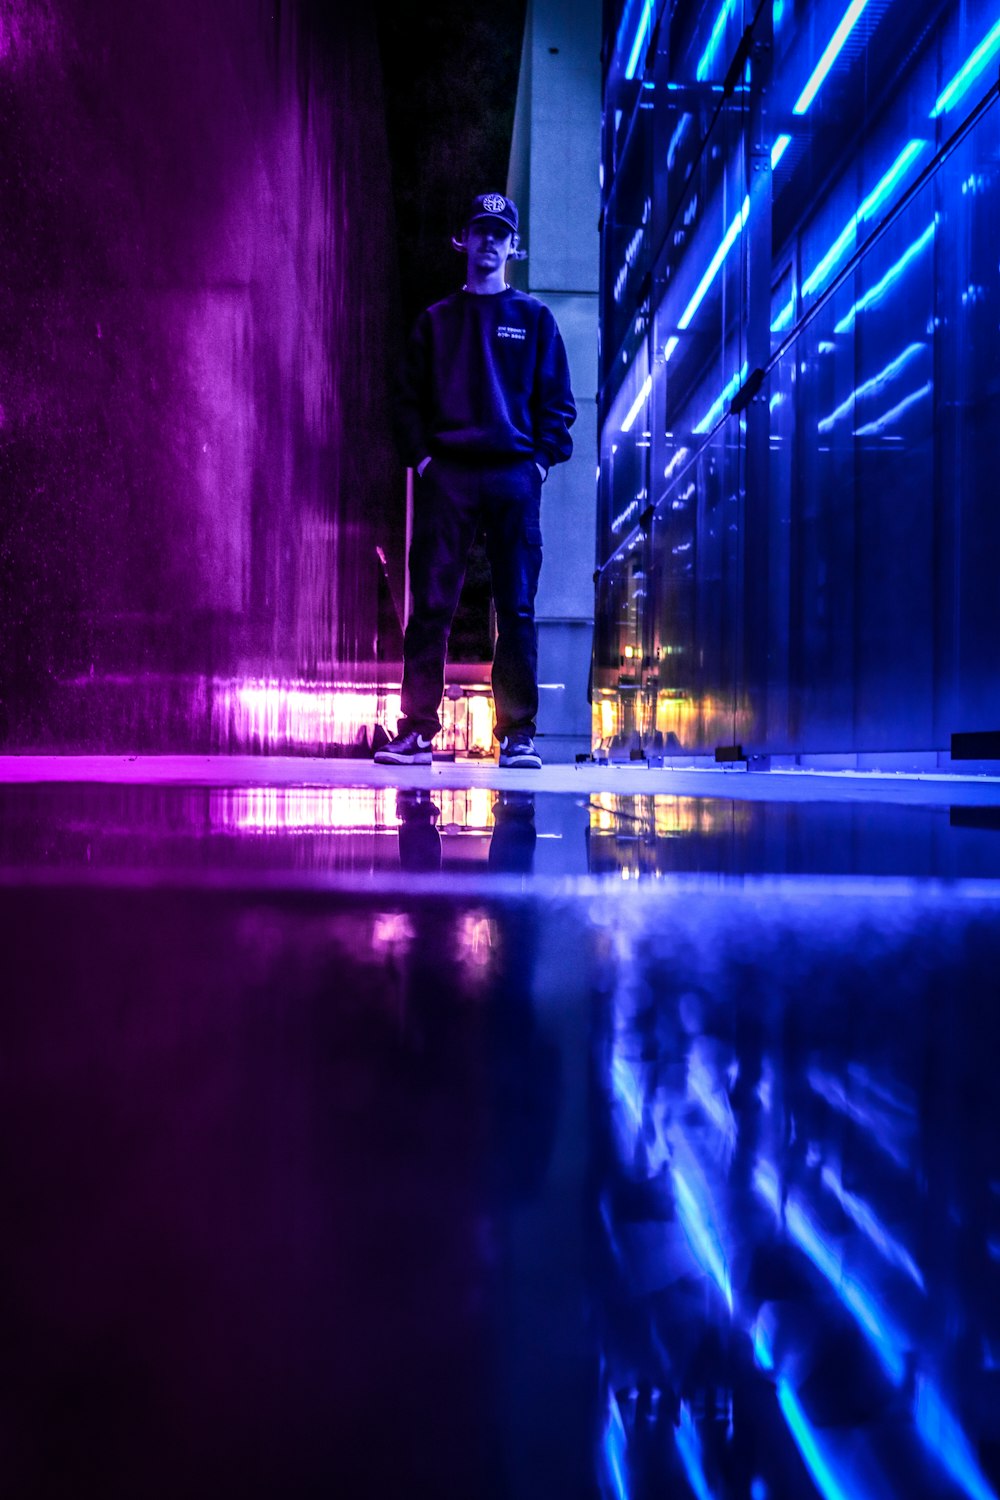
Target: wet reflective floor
378, 1141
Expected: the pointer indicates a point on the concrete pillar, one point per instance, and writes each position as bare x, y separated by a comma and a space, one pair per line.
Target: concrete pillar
553, 179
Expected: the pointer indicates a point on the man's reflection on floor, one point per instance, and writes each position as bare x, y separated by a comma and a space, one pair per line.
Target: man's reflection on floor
512, 845
478, 1052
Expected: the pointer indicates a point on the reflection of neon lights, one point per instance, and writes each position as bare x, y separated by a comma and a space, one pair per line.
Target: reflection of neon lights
678, 458
293, 810
675, 140
779, 148
305, 810
622, 519
967, 73
891, 276
615, 1443
701, 1233
718, 31
856, 1299
872, 429
878, 1127
814, 1245
730, 238
877, 196
829, 57
637, 404
807, 1443
945, 1438
763, 1353
765, 1181
392, 931
784, 317
627, 1089
640, 36
881, 1336
701, 1086
689, 1448
716, 409
869, 1224
882, 378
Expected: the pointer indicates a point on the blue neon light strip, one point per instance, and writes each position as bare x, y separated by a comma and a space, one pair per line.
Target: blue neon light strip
784, 317
731, 236
640, 37
829, 57
821, 273
718, 31
968, 73
716, 409
892, 275
872, 429
779, 148
875, 198
885, 185
637, 404
828, 423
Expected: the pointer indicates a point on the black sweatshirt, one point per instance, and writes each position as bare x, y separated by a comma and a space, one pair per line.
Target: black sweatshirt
486, 379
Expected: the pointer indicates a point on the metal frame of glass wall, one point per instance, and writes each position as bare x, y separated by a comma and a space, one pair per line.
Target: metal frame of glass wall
797, 537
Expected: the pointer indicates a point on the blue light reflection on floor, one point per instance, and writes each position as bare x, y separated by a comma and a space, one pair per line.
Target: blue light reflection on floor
672, 1184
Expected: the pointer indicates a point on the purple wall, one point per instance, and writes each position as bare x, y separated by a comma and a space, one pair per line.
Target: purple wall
196, 277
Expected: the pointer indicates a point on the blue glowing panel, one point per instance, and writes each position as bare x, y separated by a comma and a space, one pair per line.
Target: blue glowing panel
817, 582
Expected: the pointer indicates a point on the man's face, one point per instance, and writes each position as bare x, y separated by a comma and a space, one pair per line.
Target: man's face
488, 242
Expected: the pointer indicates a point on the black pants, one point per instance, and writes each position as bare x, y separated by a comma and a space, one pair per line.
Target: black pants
451, 503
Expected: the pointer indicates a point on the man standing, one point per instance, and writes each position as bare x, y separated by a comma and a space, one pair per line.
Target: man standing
484, 410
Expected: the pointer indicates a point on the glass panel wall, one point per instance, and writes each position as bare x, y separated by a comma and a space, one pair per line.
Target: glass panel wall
799, 376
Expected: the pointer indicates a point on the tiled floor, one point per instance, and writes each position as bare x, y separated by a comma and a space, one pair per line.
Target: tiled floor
477, 1134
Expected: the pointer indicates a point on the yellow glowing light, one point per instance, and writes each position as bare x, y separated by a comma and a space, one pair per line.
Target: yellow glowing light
480, 723
479, 807
629, 653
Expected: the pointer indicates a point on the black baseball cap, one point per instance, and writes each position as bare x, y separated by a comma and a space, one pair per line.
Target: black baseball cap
493, 206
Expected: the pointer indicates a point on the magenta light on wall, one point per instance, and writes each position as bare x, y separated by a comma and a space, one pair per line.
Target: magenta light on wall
271, 713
